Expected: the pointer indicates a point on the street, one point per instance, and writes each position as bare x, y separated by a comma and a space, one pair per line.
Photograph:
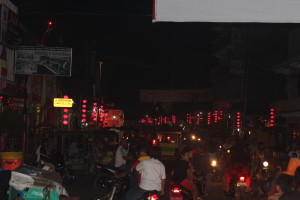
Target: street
83, 187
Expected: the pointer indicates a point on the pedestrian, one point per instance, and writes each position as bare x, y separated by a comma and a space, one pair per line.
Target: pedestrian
43, 158
153, 176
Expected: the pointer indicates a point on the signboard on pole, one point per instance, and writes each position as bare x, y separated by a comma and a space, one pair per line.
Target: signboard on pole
56, 61
265, 11
62, 103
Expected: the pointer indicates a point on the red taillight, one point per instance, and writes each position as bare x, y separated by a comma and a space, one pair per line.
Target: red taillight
242, 178
153, 197
154, 142
98, 166
176, 190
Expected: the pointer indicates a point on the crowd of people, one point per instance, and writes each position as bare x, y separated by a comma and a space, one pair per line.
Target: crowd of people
147, 172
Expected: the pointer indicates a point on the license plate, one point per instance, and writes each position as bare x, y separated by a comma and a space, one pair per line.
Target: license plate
241, 184
176, 198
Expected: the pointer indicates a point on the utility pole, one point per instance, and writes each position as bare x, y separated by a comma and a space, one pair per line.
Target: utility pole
100, 77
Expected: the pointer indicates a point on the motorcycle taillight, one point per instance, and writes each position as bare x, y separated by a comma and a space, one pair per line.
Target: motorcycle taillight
153, 197
242, 178
176, 190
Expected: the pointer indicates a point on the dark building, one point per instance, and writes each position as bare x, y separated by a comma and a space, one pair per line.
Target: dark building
288, 107
244, 80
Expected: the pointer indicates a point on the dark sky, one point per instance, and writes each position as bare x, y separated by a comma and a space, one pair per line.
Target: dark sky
137, 53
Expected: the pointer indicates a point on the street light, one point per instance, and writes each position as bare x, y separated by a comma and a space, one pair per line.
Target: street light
100, 70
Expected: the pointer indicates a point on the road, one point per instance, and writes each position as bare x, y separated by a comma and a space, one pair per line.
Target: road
82, 186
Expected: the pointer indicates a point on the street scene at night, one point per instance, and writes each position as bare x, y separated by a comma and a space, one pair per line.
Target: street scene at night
149, 100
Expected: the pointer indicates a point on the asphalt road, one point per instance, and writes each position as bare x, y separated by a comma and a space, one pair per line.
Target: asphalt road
83, 187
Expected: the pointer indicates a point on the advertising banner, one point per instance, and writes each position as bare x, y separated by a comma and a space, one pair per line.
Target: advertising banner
56, 61
265, 11
62, 103
203, 95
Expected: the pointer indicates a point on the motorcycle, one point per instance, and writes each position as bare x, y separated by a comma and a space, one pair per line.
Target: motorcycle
108, 186
213, 171
201, 184
237, 188
178, 192
263, 173
106, 179
262, 181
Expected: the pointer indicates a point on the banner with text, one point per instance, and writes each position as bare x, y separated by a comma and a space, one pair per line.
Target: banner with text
56, 61
201, 95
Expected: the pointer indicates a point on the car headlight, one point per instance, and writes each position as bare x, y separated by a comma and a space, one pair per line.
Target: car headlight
265, 164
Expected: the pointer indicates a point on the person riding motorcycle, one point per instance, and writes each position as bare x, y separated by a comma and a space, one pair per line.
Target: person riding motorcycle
238, 164
153, 176
182, 173
135, 175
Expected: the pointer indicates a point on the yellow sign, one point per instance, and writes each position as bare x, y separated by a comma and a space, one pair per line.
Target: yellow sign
62, 103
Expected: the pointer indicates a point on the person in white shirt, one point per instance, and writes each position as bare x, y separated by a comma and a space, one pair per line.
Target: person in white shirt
121, 155
153, 176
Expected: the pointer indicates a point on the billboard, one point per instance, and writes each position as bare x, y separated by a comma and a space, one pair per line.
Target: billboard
266, 11
200, 95
56, 61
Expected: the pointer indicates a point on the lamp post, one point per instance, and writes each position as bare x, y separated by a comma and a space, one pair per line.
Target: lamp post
100, 74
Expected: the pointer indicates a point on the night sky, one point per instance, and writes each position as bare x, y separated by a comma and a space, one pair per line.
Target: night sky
137, 53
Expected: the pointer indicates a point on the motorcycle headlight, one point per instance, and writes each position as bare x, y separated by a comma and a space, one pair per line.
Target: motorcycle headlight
265, 164
214, 163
